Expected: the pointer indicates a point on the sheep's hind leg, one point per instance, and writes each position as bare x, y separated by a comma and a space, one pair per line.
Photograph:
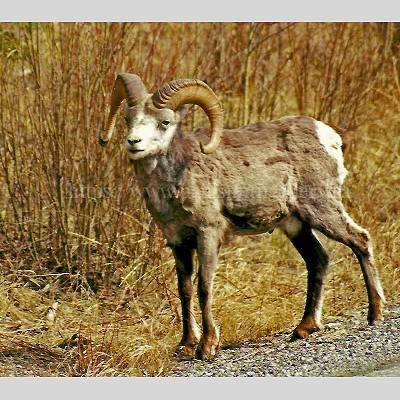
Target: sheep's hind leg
191, 332
342, 228
317, 260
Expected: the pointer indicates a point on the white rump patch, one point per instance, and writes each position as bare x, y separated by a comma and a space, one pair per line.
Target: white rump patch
333, 146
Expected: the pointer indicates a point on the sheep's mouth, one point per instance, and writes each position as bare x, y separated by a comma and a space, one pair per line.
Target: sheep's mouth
135, 151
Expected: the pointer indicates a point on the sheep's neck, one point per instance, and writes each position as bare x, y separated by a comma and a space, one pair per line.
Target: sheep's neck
147, 166
160, 179
162, 171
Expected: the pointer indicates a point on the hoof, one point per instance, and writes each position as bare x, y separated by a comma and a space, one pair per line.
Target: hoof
304, 331
375, 317
207, 352
373, 321
185, 352
209, 346
206, 355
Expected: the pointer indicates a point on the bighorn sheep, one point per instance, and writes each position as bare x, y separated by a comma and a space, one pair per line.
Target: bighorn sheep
285, 174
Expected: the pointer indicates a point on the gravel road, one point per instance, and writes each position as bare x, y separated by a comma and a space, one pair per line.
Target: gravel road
346, 347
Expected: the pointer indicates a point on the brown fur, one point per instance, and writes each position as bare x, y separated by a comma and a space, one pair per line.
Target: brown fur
263, 176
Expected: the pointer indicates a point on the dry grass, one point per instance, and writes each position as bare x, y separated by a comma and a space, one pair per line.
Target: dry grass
73, 230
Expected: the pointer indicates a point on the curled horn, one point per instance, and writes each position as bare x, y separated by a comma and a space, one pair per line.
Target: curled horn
126, 86
193, 91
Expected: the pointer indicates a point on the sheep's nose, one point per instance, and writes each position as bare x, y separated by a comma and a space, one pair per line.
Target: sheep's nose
134, 141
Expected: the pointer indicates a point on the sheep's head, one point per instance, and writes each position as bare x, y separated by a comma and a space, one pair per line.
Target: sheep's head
153, 119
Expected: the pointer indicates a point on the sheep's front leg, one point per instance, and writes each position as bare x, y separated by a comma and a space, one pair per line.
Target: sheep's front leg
191, 332
207, 248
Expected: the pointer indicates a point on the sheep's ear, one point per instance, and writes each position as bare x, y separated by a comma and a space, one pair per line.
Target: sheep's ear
182, 111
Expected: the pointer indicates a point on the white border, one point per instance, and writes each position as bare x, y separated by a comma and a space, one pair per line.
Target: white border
199, 10
197, 388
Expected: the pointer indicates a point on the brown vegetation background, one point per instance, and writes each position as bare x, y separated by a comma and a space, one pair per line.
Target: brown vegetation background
73, 229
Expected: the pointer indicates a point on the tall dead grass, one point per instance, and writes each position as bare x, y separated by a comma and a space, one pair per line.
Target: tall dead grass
73, 227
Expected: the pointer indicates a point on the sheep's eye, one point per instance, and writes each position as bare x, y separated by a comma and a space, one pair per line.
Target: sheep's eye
165, 123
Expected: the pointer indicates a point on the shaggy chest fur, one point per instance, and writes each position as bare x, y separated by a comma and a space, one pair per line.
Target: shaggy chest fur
162, 187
